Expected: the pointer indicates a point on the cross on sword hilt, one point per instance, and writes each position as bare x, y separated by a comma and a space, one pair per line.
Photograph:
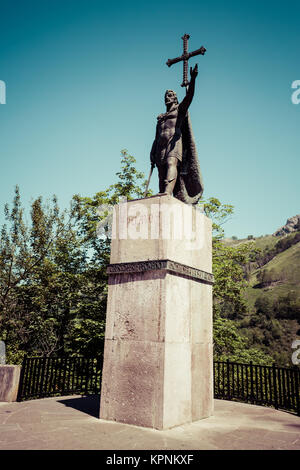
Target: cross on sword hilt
185, 57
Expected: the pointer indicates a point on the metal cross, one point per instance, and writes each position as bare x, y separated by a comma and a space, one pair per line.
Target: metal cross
185, 57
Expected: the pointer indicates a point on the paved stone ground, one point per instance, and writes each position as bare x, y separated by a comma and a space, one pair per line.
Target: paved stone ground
71, 423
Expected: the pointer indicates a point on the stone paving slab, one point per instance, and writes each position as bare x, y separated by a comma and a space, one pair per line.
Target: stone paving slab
72, 423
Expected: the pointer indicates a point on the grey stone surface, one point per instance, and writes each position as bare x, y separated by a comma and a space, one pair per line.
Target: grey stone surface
158, 228
157, 368
9, 382
71, 423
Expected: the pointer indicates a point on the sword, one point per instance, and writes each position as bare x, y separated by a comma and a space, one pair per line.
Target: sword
149, 177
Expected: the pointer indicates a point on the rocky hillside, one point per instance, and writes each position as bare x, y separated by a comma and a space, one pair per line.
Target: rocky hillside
292, 225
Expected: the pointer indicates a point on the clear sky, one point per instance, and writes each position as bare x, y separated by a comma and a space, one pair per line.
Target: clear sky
86, 78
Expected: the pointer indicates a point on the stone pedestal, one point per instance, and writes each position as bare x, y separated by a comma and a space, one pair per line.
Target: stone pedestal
158, 358
9, 382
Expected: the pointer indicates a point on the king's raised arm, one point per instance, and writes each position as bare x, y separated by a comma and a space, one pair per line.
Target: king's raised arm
185, 103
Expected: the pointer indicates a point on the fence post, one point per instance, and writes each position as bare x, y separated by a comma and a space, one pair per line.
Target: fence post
99, 372
21, 382
228, 381
64, 365
42, 379
297, 373
251, 382
275, 387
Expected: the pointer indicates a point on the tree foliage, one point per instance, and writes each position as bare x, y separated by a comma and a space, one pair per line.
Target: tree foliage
228, 263
230, 344
47, 282
53, 282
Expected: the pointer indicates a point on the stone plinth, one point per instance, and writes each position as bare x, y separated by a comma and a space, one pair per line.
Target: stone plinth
158, 358
9, 382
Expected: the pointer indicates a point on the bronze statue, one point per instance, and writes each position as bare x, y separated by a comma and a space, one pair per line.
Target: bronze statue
173, 150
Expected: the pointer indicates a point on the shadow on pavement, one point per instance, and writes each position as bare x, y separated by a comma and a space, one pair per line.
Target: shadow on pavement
89, 404
294, 425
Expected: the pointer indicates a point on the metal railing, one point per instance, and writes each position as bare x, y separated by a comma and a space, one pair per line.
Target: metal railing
57, 376
262, 385
258, 384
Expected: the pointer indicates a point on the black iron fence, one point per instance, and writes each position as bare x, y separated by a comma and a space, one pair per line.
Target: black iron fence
262, 385
57, 376
258, 384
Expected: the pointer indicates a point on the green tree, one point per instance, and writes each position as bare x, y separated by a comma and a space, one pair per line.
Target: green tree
264, 305
45, 277
92, 210
228, 263
230, 344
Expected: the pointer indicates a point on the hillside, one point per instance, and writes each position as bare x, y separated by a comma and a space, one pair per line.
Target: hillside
273, 294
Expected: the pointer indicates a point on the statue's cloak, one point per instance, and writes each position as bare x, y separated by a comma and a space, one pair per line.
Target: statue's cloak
189, 185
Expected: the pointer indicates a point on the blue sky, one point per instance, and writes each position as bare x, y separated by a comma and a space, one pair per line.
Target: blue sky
86, 79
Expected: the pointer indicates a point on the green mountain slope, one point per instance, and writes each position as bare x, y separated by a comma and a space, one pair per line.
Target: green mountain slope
286, 265
273, 295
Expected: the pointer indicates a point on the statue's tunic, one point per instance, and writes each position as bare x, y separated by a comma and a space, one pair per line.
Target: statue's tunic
167, 146
181, 144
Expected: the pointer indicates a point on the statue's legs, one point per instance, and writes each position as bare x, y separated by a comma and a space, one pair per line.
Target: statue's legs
168, 175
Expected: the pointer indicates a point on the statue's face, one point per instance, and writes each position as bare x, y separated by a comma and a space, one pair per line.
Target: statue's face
170, 97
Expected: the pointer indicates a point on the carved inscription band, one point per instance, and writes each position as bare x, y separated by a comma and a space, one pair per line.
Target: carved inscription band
166, 264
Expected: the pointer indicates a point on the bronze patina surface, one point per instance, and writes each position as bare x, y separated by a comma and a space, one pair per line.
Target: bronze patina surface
174, 151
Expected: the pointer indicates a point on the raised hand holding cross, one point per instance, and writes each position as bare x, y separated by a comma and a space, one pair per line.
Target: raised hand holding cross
185, 57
